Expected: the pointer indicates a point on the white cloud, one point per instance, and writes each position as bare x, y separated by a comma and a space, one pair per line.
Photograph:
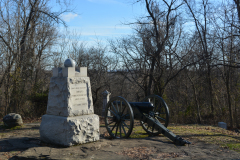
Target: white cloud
68, 17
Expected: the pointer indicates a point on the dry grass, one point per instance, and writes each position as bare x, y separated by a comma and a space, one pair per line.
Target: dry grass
209, 134
146, 152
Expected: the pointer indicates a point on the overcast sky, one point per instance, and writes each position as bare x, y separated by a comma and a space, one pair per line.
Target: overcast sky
102, 19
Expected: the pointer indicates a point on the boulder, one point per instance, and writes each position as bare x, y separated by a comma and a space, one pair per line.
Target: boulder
12, 120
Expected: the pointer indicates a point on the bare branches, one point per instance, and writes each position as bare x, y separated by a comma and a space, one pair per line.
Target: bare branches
26, 33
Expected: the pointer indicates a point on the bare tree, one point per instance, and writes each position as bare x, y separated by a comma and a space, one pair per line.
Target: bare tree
26, 32
228, 44
151, 57
203, 34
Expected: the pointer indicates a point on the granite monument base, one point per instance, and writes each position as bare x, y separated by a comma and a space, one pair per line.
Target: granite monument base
68, 131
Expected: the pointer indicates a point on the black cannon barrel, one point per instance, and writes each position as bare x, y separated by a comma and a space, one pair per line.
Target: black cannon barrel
143, 106
158, 126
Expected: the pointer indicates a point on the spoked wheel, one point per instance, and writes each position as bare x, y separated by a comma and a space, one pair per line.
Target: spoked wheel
119, 118
160, 112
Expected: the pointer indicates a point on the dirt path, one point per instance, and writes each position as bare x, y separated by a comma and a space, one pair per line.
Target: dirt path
24, 143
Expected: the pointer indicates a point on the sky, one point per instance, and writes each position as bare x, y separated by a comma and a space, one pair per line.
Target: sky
101, 19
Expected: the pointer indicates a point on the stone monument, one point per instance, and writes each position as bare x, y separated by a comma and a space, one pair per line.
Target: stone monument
70, 117
222, 125
106, 96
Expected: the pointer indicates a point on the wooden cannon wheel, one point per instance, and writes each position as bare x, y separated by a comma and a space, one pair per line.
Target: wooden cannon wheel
160, 112
119, 118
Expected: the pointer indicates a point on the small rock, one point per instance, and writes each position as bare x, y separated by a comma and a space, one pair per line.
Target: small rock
12, 120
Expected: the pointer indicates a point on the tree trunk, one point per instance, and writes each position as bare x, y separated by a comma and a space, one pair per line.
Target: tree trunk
229, 101
151, 76
199, 120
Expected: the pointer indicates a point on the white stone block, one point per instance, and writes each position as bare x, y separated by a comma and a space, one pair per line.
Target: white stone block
222, 125
70, 96
55, 72
68, 131
77, 74
68, 72
83, 71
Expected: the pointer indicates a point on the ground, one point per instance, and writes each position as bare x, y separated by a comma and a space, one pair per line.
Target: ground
24, 143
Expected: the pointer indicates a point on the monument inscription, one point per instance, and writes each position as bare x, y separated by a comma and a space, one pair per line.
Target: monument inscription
79, 95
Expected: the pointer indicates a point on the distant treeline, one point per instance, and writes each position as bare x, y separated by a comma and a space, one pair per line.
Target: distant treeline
185, 51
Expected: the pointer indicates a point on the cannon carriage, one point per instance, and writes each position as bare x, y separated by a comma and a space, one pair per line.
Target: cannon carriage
152, 112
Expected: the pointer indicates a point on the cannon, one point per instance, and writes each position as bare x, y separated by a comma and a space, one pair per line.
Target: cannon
152, 112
